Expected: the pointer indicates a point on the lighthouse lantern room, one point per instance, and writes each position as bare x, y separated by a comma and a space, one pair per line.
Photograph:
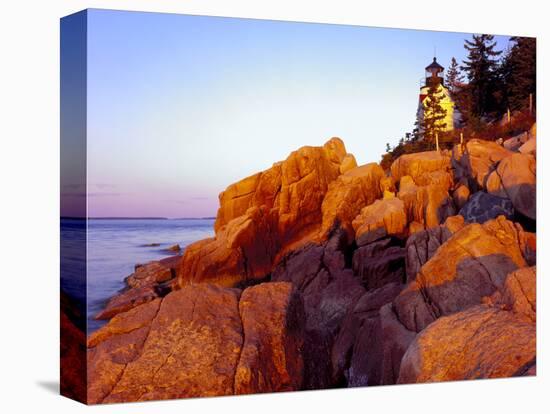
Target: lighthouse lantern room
434, 73
434, 77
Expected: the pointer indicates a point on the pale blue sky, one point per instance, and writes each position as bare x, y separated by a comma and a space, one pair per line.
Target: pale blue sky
179, 107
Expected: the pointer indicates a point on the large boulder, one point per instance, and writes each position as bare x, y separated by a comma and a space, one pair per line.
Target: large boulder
427, 205
128, 299
515, 178
264, 216
261, 187
148, 282
329, 290
470, 265
461, 194
348, 194
395, 338
185, 345
483, 206
529, 147
477, 159
528, 245
192, 342
348, 163
379, 263
424, 168
422, 245
515, 142
305, 179
381, 219
242, 250
481, 342
357, 353
520, 292
273, 325
151, 273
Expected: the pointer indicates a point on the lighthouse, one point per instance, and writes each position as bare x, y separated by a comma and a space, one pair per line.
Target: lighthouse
434, 77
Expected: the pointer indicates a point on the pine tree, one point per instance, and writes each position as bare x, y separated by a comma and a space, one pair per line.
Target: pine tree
454, 78
434, 114
481, 67
519, 72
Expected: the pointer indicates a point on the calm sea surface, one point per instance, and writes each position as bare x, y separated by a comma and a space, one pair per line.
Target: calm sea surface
116, 246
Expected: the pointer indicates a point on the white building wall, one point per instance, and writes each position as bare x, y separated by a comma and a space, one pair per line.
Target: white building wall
447, 104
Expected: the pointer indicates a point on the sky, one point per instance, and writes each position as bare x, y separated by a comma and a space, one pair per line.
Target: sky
179, 107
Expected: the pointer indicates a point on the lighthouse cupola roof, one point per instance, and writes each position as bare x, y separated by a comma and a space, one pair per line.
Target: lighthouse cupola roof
434, 67
434, 74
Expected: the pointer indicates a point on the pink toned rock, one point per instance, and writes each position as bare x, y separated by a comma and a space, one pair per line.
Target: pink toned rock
480, 342
387, 185
150, 273
478, 159
530, 147
348, 163
528, 245
428, 205
515, 178
330, 291
513, 144
396, 339
357, 353
415, 227
379, 263
423, 167
266, 215
520, 292
348, 194
461, 194
381, 219
471, 264
127, 300
422, 245
200, 341
273, 324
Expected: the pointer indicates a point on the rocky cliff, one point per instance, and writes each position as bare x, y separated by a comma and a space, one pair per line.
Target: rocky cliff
327, 274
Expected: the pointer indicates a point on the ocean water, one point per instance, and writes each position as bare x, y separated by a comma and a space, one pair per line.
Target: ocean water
115, 246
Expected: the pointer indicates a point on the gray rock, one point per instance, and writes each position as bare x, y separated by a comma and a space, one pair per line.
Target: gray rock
483, 206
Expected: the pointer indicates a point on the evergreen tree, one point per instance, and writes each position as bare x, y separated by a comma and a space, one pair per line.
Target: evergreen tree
454, 78
432, 122
481, 67
519, 72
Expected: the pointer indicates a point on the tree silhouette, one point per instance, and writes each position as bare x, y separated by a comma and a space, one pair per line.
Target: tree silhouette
481, 67
432, 121
519, 72
454, 78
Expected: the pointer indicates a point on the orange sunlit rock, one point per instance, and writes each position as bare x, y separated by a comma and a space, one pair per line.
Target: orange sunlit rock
382, 218
471, 264
477, 160
430, 167
428, 205
201, 340
481, 342
265, 215
516, 178
273, 323
347, 194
